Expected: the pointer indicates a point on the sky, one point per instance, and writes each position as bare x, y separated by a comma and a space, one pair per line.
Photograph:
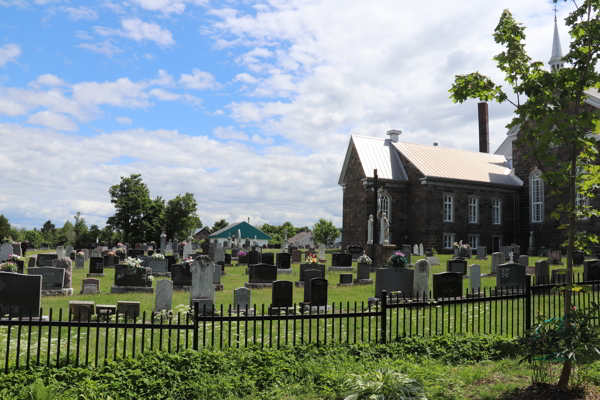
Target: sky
249, 105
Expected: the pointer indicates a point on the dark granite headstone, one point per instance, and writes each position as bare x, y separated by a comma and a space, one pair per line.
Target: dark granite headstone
52, 278
306, 267
96, 265
447, 284
135, 252
591, 270
345, 279
296, 256
172, 260
282, 294
254, 257
72, 256
227, 259
341, 260
262, 273
578, 257
205, 248
283, 260
318, 292
268, 258
394, 280
457, 265
45, 260
110, 261
355, 251
559, 277
234, 253
181, 275
126, 276
362, 271
308, 276
511, 275
20, 294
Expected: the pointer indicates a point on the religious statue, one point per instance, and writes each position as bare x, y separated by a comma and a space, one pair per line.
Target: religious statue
370, 230
510, 256
379, 201
385, 230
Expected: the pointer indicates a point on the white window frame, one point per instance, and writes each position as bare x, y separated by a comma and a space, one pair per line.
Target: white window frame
386, 202
496, 212
473, 210
473, 241
536, 197
448, 207
447, 240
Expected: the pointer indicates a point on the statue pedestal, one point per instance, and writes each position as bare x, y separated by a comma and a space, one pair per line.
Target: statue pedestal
382, 253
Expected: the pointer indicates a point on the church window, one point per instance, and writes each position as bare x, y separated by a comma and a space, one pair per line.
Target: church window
385, 206
537, 198
448, 208
473, 210
496, 211
473, 241
448, 240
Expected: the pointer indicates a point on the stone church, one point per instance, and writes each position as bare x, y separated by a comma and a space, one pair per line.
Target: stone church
436, 196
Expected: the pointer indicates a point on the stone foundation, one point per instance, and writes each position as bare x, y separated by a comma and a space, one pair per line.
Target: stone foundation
284, 271
363, 281
58, 292
181, 288
343, 269
382, 253
299, 284
161, 274
131, 289
344, 284
95, 275
218, 287
250, 285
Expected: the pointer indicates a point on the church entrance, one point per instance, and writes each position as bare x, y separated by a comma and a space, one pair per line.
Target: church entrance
496, 243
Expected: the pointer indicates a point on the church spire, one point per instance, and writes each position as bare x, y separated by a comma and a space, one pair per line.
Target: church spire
555, 60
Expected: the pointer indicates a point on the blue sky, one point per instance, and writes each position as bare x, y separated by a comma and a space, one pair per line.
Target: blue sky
247, 104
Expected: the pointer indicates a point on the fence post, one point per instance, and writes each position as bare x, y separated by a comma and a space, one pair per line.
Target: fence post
383, 316
528, 303
196, 312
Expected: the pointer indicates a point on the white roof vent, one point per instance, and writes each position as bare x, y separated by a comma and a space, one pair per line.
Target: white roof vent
394, 133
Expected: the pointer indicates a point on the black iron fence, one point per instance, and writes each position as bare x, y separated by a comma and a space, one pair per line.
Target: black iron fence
62, 339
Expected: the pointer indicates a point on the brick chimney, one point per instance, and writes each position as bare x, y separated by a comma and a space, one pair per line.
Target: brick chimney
394, 133
484, 128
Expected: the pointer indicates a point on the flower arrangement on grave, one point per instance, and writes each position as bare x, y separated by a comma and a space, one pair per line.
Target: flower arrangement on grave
80, 254
7, 239
397, 260
119, 244
188, 262
364, 259
8, 267
311, 259
14, 258
111, 253
120, 250
133, 262
158, 256
461, 246
183, 243
242, 254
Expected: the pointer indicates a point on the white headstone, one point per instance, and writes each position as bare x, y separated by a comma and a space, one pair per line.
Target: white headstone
5, 250
60, 251
242, 297
202, 279
421, 252
474, 272
219, 254
90, 289
164, 295
187, 250
421, 280
321, 251
79, 262
497, 259
415, 250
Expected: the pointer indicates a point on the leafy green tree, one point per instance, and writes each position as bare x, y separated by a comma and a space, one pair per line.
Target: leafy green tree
4, 227
553, 115
34, 236
65, 236
180, 216
48, 227
154, 220
93, 233
324, 231
220, 224
131, 199
80, 229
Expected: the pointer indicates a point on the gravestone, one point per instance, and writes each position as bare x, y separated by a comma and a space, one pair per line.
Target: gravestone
318, 292
394, 280
129, 309
52, 278
524, 260
96, 265
321, 251
203, 271
219, 255
60, 252
556, 255
45, 260
187, 250
16, 249
242, 298
268, 258
415, 250
31, 263
421, 280
406, 249
5, 250
181, 276
309, 275
110, 261
497, 259
457, 265
20, 294
86, 254
558, 277
506, 250
362, 271
69, 250
93, 282
158, 265
217, 274
591, 270
247, 243
474, 278
421, 250
81, 310
205, 248
133, 277
171, 260
67, 265
345, 279
481, 253
578, 257
282, 294
228, 259
296, 256
341, 260
79, 262
433, 261
254, 257
135, 252
89, 290
262, 273
175, 250
511, 275
355, 251
306, 267
283, 260
542, 272
447, 284
234, 253
164, 295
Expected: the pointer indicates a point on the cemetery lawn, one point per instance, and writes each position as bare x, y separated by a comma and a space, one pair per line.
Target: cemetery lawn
450, 367
344, 296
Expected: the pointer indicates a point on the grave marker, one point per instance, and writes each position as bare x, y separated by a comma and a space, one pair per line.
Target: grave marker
447, 284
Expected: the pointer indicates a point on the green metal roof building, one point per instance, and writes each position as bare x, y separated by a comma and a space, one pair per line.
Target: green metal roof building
246, 230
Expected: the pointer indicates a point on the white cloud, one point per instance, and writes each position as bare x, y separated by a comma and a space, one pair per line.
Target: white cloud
105, 47
9, 52
83, 35
120, 93
163, 79
262, 140
52, 120
81, 12
198, 80
50, 80
164, 6
138, 30
246, 78
124, 120
229, 132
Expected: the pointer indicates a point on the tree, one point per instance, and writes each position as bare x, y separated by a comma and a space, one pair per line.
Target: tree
131, 199
93, 234
220, 224
324, 231
553, 115
80, 229
4, 226
180, 216
154, 220
48, 227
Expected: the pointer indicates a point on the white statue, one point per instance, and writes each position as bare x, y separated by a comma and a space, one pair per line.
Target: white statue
510, 256
370, 230
385, 230
379, 199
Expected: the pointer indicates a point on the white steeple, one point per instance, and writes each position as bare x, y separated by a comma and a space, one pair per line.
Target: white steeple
555, 60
